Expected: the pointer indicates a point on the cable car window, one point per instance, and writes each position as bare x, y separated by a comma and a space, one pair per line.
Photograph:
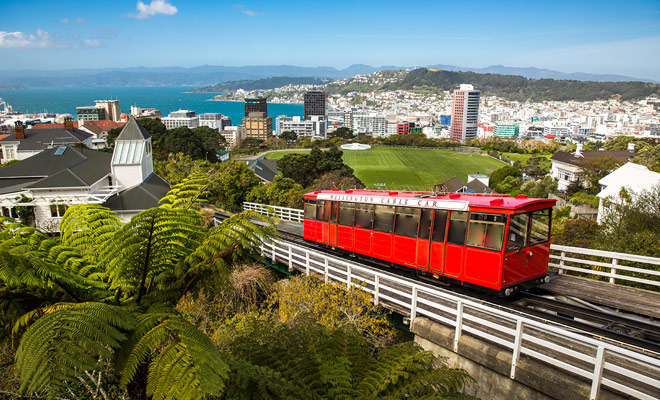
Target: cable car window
319, 210
517, 232
457, 226
346, 214
363, 215
440, 225
407, 219
486, 231
383, 218
333, 211
540, 226
425, 224
310, 209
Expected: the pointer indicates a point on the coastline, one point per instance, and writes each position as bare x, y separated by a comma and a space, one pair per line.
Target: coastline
242, 100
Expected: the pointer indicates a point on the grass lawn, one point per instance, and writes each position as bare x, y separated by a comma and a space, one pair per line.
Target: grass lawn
412, 169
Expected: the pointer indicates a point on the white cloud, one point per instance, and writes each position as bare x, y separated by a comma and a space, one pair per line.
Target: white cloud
64, 20
252, 13
38, 39
79, 21
155, 7
90, 43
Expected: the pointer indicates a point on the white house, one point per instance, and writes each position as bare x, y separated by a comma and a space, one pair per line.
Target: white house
24, 143
52, 180
569, 167
633, 177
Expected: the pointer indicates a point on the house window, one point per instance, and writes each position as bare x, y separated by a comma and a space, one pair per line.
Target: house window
57, 210
11, 154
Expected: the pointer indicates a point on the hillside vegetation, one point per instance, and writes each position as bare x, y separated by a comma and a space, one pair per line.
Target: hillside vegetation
519, 88
260, 84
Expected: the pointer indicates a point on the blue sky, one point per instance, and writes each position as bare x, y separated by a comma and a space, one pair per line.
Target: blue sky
570, 36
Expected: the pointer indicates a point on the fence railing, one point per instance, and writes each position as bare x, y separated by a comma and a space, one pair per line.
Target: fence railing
597, 362
289, 214
563, 259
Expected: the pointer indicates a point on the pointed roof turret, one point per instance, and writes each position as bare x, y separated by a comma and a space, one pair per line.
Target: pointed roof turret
133, 131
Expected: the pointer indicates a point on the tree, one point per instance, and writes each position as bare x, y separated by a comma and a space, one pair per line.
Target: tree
537, 167
105, 293
499, 175
212, 140
283, 192
596, 169
334, 180
343, 133
289, 136
232, 183
180, 140
540, 188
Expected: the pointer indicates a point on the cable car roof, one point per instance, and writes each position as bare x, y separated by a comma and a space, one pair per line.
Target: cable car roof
446, 201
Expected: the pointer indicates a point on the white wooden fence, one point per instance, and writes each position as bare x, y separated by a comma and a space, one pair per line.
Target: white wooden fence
602, 363
565, 259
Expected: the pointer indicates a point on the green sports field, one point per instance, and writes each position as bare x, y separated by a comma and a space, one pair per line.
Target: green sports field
412, 169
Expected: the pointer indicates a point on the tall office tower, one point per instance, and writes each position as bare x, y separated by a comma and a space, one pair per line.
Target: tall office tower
258, 126
255, 104
464, 113
112, 110
315, 104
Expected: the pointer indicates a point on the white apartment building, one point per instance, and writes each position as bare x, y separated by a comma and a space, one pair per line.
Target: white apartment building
315, 126
212, 120
369, 123
181, 118
233, 135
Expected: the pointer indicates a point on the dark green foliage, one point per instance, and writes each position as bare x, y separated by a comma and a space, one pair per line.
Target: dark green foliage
537, 167
289, 136
498, 176
305, 168
583, 233
152, 125
343, 133
519, 88
283, 192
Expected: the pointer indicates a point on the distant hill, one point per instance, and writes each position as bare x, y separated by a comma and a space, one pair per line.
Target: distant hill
210, 74
260, 84
520, 88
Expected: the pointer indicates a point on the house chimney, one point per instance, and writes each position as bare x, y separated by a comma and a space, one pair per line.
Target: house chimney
578, 150
631, 146
19, 129
68, 123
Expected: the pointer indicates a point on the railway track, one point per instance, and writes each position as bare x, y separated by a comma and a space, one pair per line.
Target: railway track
574, 313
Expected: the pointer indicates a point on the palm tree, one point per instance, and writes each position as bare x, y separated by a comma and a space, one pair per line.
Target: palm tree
104, 293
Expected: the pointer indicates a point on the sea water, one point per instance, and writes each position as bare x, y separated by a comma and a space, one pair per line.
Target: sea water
60, 100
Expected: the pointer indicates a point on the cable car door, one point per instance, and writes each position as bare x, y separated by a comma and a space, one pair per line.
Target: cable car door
332, 207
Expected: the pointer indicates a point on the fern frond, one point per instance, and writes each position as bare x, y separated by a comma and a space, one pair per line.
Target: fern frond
61, 343
87, 228
193, 189
184, 363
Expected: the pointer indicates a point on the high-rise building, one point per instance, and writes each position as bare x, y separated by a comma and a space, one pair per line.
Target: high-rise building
212, 120
316, 104
508, 130
464, 113
258, 126
111, 107
255, 104
90, 113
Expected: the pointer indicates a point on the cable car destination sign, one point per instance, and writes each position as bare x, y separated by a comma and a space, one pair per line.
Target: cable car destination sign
454, 205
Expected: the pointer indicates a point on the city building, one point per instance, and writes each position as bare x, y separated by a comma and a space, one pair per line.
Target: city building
315, 104
506, 130
180, 118
212, 120
140, 112
90, 113
102, 110
258, 125
112, 110
560, 132
464, 113
445, 120
59, 177
24, 143
370, 124
233, 135
296, 124
255, 104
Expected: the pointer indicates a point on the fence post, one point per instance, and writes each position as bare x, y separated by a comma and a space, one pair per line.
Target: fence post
306, 262
615, 262
561, 262
273, 259
348, 277
459, 324
598, 373
290, 259
517, 344
413, 305
326, 270
376, 289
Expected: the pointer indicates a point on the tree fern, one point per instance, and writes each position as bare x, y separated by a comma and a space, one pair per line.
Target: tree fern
60, 344
192, 190
152, 243
86, 228
184, 363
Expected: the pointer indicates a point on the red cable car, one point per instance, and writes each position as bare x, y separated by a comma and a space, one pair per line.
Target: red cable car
495, 242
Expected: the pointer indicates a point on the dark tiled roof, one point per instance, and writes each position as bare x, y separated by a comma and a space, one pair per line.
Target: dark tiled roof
265, 169
476, 186
75, 168
454, 184
620, 156
141, 197
133, 131
40, 139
